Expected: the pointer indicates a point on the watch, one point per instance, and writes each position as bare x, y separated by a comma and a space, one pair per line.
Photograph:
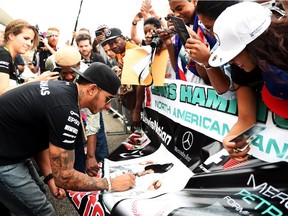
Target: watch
48, 178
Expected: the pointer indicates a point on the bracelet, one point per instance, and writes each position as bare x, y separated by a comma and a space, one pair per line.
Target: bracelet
109, 187
134, 23
48, 178
209, 67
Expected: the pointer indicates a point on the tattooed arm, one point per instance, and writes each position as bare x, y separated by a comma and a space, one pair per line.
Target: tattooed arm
43, 162
67, 177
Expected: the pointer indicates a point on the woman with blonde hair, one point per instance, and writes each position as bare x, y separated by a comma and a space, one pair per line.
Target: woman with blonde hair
19, 37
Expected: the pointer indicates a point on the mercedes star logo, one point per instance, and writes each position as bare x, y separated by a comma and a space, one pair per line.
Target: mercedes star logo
187, 140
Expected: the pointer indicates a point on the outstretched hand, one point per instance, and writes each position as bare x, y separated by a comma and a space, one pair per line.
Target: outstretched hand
197, 50
237, 150
47, 75
92, 166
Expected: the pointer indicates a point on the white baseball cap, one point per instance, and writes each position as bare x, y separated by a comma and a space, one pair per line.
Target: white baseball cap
67, 56
237, 26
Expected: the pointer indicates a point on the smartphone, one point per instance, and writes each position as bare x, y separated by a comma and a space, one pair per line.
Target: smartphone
98, 33
57, 69
253, 130
169, 31
140, 15
180, 28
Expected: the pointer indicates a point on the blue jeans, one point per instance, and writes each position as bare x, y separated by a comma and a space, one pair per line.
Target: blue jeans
102, 150
20, 190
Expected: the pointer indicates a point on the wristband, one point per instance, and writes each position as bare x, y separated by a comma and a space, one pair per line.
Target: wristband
48, 178
134, 23
109, 187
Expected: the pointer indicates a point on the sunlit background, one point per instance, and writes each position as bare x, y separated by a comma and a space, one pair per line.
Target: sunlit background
63, 14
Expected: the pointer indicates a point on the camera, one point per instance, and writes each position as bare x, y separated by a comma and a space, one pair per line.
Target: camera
98, 33
43, 35
156, 41
168, 17
41, 44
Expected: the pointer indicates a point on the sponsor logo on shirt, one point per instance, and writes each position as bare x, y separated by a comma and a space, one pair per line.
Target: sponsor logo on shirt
74, 113
71, 129
68, 141
69, 135
44, 88
73, 120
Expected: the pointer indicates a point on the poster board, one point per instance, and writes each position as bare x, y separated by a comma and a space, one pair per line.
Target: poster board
137, 59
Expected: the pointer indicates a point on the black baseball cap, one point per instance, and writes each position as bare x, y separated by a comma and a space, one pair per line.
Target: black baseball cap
101, 75
112, 33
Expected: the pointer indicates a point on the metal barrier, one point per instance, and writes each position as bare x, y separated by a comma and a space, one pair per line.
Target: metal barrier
125, 122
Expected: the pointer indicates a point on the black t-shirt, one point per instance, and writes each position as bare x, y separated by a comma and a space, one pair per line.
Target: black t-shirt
35, 114
6, 64
253, 79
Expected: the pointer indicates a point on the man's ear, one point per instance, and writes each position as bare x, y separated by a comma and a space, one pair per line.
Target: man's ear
92, 88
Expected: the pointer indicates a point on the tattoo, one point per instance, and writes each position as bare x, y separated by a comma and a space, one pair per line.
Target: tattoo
80, 94
65, 176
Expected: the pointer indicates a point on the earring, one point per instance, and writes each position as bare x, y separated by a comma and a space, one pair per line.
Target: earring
195, 2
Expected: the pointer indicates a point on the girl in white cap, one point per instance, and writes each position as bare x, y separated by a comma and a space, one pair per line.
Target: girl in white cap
249, 40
